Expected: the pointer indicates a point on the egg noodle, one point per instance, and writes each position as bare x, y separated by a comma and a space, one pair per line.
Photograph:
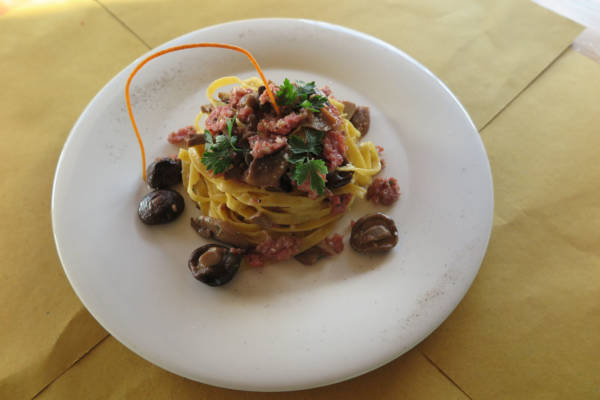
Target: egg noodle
292, 213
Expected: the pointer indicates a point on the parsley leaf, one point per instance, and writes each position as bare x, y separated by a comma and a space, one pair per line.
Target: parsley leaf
311, 169
229, 123
312, 145
219, 152
287, 93
208, 137
305, 89
300, 173
301, 95
314, 103
304, 167
317, 183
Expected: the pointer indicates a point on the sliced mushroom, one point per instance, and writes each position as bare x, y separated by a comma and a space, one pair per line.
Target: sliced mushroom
331, 118
261, 220
160, 207
224, 96
239, 166
214, 264
247, 129
349, 108
163, 173
337, 179
195, 140
314, 254
212, 228
374, 233
266, 171
361, 119
248, 100
315, 122
206, 108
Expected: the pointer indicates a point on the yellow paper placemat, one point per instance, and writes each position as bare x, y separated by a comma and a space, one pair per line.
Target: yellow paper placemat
53, 59
56, 56
529, 327
486, 51
111, 371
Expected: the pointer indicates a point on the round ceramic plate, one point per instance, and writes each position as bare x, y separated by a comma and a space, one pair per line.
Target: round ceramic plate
285, 326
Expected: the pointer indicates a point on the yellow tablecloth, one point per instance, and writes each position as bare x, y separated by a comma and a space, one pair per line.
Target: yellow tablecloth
526, 329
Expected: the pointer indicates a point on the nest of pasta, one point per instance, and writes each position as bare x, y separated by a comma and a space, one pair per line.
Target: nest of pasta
276, 175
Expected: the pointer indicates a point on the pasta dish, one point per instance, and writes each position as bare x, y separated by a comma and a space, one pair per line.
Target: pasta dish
271, 167
258, 206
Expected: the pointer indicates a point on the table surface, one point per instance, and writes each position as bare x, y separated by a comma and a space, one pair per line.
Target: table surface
528, 327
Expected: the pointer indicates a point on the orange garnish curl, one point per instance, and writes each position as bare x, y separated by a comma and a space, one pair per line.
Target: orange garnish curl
184, 47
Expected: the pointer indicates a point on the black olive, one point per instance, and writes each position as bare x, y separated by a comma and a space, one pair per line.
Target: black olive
374, 233
163, 173
337, 179
160, 207
214, 264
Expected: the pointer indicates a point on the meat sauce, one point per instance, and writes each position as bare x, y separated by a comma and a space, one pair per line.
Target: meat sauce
384, 191
263, 132
274, 249
179, 137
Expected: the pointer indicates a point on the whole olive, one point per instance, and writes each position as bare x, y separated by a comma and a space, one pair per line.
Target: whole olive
374, 233
163, 173
160, 207
214, 264
337, 179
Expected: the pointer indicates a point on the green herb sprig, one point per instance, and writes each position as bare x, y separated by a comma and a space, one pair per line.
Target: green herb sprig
301, 95
220, 151
311, 169
305, 166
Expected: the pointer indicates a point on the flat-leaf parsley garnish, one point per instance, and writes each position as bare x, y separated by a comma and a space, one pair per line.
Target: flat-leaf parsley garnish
219, 152
302, 153
287, 94
301, 95
311, 169
304, 148
315, 103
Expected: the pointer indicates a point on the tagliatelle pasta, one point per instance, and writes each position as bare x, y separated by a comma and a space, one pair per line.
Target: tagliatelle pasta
291, 213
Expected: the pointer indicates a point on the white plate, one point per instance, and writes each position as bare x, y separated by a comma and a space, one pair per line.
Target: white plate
285, 326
